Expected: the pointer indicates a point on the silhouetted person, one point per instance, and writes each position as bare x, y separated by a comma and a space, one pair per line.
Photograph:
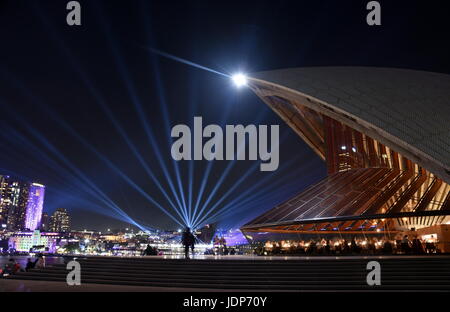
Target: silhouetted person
337, 248
417, 246
345, 247
327, 247
150, 251
387, 247
405, 244
353, 246
430, 246
188, 241
277, 248
371, 247
30, 265
312, 247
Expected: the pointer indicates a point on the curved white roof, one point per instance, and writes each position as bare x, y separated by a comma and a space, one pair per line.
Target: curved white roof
410, 107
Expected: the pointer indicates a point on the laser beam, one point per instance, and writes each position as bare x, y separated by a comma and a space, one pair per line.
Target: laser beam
184, 61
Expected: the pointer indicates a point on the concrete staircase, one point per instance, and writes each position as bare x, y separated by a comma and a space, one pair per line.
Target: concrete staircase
314, 274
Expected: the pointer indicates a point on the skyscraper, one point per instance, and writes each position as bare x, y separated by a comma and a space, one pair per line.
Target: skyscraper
21, 204
60, 221
35, 203
3, 205
45, 222
16, 201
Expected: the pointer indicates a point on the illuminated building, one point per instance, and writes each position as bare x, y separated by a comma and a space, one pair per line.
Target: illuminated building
35, 203
45, 220
21, 204
3, 201
60, 221
10, 191
17, 200
113, 238
33, 241
18, 195
384, 135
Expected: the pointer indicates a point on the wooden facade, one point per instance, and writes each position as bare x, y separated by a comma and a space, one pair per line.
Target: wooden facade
371, 186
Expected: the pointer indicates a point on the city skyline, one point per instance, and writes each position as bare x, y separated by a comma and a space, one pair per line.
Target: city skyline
225, 152
105, 153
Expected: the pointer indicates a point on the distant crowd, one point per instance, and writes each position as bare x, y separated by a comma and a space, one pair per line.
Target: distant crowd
353, 246
221, 251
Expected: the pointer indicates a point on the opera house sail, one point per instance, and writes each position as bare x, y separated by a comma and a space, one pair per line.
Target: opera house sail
385, 137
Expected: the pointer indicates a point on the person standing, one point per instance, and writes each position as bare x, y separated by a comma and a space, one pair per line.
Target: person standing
417, 247
188, 241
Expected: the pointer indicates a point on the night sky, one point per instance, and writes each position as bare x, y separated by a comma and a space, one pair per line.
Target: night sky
74, 101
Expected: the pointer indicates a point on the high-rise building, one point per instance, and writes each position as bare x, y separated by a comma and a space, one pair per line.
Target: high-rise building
45, 222
35, 204
3, 203
60, 221
16, 198
21, 204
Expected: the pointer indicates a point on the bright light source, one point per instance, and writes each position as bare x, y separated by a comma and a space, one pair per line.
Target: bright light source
239, 80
